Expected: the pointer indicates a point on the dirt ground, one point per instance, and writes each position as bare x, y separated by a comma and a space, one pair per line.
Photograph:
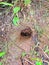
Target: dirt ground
34, 15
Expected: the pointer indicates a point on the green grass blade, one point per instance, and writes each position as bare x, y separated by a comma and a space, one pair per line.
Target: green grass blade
5, 3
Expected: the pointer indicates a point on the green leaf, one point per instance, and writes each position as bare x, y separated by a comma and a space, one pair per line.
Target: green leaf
2, 54
15, 20
47, 50
16, 9
23, 54
0, 63
5, 3
38, 63
26, 2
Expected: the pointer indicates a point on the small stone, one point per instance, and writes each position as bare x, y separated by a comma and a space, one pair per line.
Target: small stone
45, 63
2, 29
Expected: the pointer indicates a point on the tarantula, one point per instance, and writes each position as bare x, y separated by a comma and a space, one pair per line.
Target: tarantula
27, 32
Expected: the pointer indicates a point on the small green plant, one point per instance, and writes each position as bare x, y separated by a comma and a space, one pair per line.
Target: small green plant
23, 54
16, 9
16, 18
26, 2
38, 63
2, 54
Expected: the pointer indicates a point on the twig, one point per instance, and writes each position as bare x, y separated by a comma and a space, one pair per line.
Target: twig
29, 61
43, 52
22, 60
45, 61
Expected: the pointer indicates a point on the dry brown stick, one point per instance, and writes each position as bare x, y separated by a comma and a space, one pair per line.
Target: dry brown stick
22, 60
29, 61
42, 52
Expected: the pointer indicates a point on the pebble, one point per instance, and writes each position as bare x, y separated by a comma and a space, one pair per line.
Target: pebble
45, 63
